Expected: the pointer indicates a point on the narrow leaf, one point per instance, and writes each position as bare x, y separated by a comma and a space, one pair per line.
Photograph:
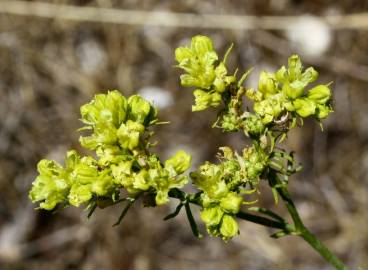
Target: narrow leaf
92, 208
267, 212
124, 212
175, 213
192, 222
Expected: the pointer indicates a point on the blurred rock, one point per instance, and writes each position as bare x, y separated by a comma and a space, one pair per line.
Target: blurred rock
158, 96
311, 36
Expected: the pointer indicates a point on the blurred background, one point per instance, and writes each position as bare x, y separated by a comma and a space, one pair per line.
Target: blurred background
53, 59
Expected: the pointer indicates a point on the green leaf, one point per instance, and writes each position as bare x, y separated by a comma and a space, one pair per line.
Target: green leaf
92, 207
192, 222
267, 212
125, 211
175, 213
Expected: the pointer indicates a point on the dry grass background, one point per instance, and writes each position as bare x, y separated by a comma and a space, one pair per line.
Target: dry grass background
48, 68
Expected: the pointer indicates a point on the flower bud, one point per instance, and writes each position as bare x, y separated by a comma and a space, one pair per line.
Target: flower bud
254, 95
309, 75
103, 184
180, 162
294, 89
204, 100
129, 133
295, 68
121, 171
323, 111
267, 84
201, 44
198, 62
269, 108
139, 109
105, 109
162, 197
304, 107
320, 94
182, 54
109, 154
212, 216
229, 227
51, 185
230, 122
281, 75
219, 83
79, 194
142, 180
254, 125
231, 203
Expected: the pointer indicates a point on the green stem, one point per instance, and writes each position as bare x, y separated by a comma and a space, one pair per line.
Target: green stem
303, 232
312, 240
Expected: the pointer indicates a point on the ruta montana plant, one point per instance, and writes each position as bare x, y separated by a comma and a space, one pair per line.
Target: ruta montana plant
125, 169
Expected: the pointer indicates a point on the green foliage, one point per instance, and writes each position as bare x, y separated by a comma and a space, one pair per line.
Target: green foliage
125, 169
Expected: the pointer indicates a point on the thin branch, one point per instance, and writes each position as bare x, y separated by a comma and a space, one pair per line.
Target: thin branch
172, 19
303, 232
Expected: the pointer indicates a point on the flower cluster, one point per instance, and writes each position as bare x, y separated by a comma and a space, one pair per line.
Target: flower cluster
77, 183
285, 91
223, 186
281, 97
120, 139
204, 72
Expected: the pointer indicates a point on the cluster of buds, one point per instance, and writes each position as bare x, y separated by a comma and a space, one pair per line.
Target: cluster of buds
204, 71
223, 186
77, 183
285, 91
120, 139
